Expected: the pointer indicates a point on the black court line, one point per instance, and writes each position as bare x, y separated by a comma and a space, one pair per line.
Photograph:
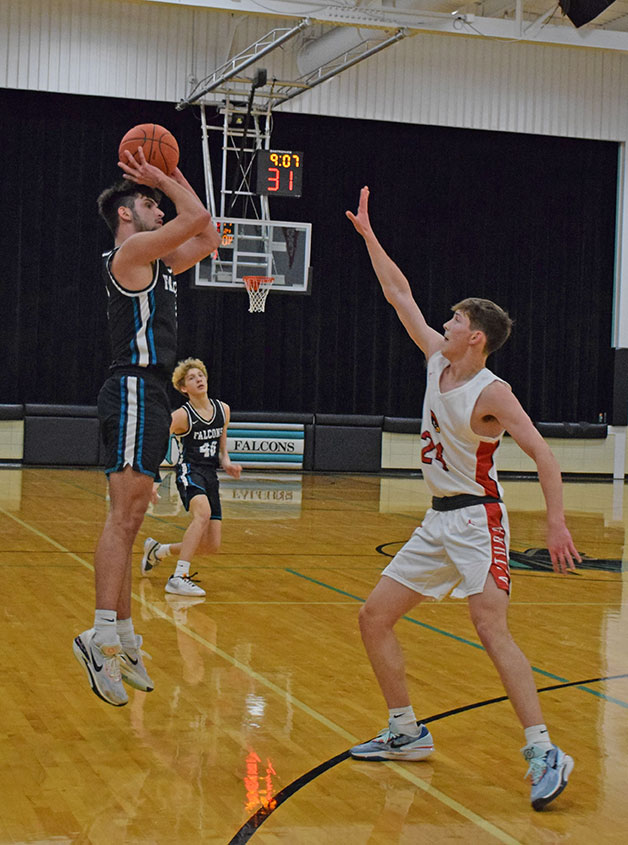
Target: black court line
257, 819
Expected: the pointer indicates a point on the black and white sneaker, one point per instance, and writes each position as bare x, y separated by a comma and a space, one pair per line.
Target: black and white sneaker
184, 585
150, 559
101, 663
132, 667
391, 746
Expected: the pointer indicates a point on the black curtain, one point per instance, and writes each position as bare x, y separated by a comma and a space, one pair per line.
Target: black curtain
525, 220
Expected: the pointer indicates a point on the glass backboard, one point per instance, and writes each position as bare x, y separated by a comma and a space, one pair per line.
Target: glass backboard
259, 248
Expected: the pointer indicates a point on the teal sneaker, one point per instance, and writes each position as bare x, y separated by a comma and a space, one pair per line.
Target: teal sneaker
390, 746
549, 772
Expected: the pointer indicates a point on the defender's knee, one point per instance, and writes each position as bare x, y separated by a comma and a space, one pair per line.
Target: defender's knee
491, 631
371, 619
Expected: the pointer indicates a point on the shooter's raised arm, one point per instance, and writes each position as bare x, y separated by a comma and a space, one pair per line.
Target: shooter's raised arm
184, 240
394, 284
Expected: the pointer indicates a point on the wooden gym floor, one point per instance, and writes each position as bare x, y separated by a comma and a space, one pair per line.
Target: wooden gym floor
262, 687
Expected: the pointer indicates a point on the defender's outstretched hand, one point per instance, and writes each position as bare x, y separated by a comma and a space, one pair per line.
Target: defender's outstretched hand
361, 220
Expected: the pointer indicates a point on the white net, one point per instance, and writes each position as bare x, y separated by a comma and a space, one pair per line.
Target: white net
257, 287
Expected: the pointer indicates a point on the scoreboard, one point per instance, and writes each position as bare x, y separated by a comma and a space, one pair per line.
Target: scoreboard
279, 173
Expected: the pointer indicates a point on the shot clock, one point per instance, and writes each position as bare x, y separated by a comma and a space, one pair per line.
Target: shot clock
279, 173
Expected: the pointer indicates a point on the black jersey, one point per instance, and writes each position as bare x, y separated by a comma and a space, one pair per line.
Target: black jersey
200, 444
143, 323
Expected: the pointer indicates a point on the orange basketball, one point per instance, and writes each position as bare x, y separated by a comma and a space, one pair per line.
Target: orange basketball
160, 146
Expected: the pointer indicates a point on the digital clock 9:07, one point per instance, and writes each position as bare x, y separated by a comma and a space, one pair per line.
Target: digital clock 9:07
279, 173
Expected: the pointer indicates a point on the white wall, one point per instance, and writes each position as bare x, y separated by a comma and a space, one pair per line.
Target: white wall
149, 51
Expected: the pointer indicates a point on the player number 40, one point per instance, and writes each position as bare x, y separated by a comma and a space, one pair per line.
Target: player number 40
208, 450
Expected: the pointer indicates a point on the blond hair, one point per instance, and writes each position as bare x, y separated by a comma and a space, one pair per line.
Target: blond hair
183, 368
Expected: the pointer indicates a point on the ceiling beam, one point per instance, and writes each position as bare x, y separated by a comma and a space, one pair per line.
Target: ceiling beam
420, 21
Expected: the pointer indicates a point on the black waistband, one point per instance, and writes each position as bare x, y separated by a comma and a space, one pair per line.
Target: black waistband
156, 375
454, 503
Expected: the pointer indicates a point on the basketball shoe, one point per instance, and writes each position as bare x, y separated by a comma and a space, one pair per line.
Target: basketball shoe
132, 667
390, 746
149, 558
548, 771
102, 668
184, 585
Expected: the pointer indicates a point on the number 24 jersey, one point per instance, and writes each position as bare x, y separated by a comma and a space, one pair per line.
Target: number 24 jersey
454, 459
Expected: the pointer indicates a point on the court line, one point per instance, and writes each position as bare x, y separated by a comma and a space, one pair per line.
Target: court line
247, 830
480, 822
458, 639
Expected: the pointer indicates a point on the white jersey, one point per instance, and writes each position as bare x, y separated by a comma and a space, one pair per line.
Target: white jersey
454, 459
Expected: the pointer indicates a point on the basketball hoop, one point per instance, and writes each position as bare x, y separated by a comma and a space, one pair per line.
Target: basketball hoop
258, 287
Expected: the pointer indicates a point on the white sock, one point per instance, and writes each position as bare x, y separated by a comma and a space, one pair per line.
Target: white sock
538, 735
162, 551
401, 720
105, 625
126, 632
183, 568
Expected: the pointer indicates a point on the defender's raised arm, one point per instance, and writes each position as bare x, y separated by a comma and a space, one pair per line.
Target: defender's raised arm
394, 284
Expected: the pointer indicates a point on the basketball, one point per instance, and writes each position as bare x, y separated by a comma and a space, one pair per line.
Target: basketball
160, 146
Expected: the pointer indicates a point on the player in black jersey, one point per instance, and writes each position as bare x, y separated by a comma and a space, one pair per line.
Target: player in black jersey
133, 405
201, 427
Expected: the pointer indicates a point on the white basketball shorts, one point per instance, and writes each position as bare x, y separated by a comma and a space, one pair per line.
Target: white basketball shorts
454, 551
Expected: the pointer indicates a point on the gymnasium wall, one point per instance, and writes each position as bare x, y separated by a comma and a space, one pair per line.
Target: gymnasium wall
143, 50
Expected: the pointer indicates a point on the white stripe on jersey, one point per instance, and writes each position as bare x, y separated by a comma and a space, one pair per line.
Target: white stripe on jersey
118, 286
140, 335
131, 420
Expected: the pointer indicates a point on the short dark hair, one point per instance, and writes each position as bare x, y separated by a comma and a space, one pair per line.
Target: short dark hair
486, 317
124, 193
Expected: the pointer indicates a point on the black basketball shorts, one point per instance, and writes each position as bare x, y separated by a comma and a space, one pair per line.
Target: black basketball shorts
194, 480
134, 414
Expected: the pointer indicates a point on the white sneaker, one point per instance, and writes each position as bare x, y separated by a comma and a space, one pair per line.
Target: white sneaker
390, 746
184, 585
149, 559
132, 667
102, 668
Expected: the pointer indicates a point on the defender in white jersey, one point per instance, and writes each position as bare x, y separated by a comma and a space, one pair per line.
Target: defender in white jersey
201, 428
462, 545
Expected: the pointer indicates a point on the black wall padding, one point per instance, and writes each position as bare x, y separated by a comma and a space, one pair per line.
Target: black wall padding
619, 413
581, 430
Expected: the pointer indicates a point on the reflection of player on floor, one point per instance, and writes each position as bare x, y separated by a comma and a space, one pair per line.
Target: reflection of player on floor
464, 537
201, 426
133, 404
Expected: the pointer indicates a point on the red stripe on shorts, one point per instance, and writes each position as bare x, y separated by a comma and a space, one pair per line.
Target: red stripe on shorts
499, 567
484, 461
